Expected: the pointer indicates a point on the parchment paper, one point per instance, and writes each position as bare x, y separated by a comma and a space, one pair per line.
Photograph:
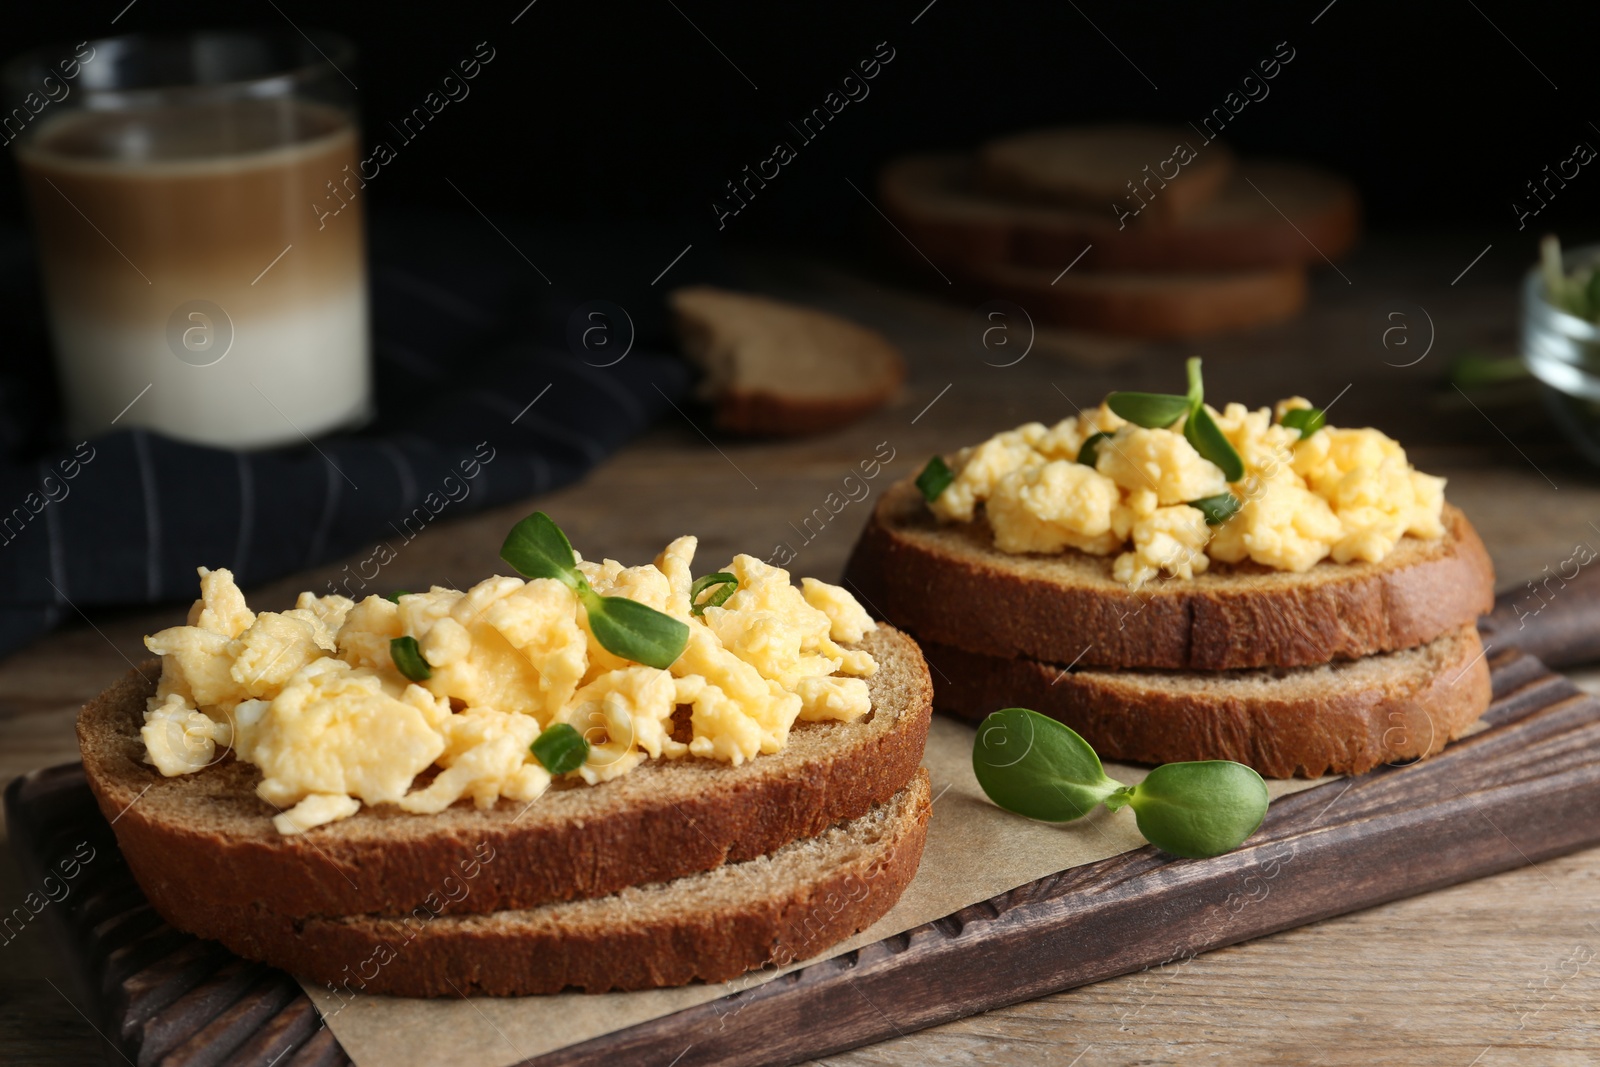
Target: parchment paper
975, 851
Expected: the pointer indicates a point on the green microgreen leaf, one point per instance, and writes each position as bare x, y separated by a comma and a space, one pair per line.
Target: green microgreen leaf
1199, 809
633, 630
1217, 509
1201, 431
1197, 389
1307, 420
1038, 767
537, 548
935, 478
1153, 411
408, 659
1091, 448
1041, 768
395, 596
559, 748
728, 586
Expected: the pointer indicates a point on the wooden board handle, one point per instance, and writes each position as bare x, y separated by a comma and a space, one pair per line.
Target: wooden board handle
1555, 616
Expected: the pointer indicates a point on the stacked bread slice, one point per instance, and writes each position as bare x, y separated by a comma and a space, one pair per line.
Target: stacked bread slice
1222, 245
1334, 670
680, 870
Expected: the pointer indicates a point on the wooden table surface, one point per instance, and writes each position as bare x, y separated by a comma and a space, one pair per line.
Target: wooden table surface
1500, 971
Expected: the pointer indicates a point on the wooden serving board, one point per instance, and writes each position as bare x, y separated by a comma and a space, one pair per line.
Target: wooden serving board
1525, 789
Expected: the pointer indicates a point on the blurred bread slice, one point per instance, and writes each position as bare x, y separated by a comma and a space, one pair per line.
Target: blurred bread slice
1138, 304
1268, 214
778, 369
1092, 166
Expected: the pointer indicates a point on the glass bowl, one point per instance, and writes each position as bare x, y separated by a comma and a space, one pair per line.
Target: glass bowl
1562, 352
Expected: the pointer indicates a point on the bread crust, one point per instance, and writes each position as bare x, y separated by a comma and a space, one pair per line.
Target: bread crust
949, 584
602, 945
725, 333
664, 820
931, 198
1401, 706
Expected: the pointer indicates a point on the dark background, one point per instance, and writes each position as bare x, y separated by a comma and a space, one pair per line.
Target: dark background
625, 113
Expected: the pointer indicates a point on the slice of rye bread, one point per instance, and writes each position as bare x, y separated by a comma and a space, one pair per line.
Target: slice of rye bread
792, 904
947, 583
933, 199
1162, 306
664, 819
778, 369
1096, 167
1338, 718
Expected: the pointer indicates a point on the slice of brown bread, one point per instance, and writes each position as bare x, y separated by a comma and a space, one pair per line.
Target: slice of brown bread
933, 199
1139, 304
775, 909
1339, 718
1093, 166
663, 820
949, 584
778, 369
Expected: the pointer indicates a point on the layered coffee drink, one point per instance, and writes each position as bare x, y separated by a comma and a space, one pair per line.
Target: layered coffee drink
192, 285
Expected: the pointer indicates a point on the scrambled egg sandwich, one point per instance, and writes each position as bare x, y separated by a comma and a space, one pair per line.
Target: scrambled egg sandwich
1178, 582
586, 765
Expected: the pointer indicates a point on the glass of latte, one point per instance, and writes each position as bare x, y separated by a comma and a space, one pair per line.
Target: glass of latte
196, 283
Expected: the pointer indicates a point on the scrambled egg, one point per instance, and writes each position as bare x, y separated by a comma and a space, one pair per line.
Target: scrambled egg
312, 697
1341, 494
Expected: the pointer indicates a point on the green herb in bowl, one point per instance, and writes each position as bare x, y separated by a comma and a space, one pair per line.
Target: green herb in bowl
1577, 292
